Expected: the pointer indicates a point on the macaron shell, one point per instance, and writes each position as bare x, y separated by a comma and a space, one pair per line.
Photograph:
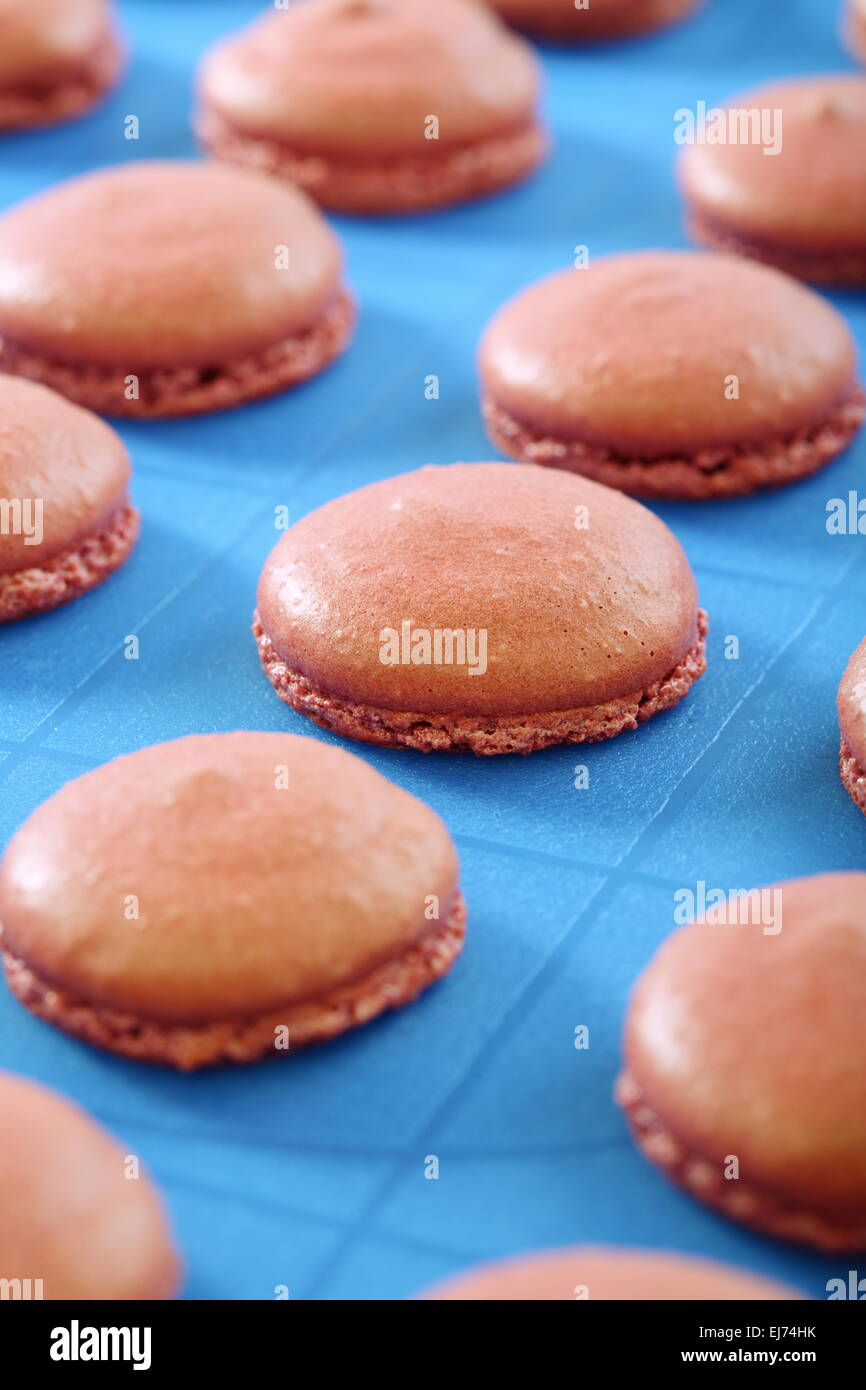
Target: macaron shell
750, 1045
40, 38
813, 192
56, 454
637, 353
573, 617
265, 870
365, 76
596, 20
69, 1215
165, 264
585, 1273
852, 705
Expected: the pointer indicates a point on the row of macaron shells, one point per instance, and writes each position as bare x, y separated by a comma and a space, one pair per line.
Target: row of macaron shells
570, 509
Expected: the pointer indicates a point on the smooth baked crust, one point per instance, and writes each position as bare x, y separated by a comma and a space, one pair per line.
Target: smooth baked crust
845, 268
735, 1199
481, 734
194, 390
63, 97
853, 776
711, 473
602, 21
384, 184
71, 573
395, 983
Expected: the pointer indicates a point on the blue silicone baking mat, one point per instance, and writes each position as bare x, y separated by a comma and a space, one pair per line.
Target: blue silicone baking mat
310, 1173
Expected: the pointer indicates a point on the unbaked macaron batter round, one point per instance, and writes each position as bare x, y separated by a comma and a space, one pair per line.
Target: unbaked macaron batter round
376, 105
588, 1273
743, 1077
175, 287
576, 21
852, 725
226, 896
485, 607
58, 58
672, 374
73, 1225
787, 184
66, 520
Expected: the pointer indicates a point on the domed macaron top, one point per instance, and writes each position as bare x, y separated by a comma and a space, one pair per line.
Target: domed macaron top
63, 458
163, 264
41, 39
264, 870
749, 1042
366, 76
668, 351
588, 1273
812, 192
583, 594
69, 1215
852, 705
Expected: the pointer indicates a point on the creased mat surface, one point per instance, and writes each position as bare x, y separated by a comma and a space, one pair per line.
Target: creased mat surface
310, 1173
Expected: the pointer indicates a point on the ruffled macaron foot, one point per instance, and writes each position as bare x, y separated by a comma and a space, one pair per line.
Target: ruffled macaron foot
168, 391
737, 1200
385, 185
483, 736
242, 1040
736, 471
25, 593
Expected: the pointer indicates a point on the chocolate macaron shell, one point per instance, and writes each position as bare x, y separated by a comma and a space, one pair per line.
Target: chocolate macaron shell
63, 457
174, 264
224, 879
587, 1273
573, 617
355, 76
634, 353
57, 58
854, 28
602, 19
376, 106
70, 1216
745, 1042
852, 724
801, 207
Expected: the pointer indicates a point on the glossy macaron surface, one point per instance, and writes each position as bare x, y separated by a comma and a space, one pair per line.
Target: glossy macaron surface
589, 1274
168, 264
41, 39
66, 468
74, 1213
222, 876
803, 189
746, 1039
661, 351
583, 594
365, 77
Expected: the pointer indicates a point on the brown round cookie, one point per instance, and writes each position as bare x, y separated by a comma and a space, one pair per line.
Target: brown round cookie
852, 725
58, 58
719, 1087
672, 374
73, 1223
590, 1274
66, 521
787, 184
483, 607
579, 21
376, 106
227, 896
183, 287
